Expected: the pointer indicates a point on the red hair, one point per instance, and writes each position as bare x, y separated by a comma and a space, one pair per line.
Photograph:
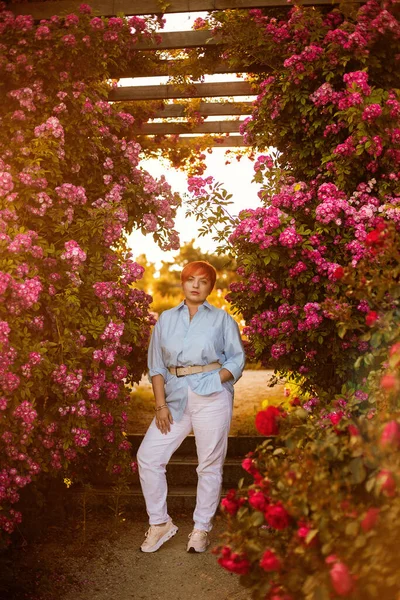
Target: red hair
199, 267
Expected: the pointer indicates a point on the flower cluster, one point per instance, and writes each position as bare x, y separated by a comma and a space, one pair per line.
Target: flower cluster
71, 188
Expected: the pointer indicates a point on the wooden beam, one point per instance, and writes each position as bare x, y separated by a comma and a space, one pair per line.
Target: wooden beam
162, 68
207, 109
231, 141
179, 128
176, 40
165, 92
45, 10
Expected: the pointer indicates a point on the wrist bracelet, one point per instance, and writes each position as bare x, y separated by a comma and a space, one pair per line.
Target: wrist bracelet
160, 407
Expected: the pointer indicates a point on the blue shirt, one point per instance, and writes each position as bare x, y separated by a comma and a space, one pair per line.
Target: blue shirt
211, 336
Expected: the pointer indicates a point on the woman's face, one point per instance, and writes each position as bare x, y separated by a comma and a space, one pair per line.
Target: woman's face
196, 288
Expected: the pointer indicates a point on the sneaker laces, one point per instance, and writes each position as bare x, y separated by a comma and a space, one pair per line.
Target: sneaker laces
201, 532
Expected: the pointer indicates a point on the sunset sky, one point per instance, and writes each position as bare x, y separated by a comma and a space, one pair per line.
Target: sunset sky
236, 177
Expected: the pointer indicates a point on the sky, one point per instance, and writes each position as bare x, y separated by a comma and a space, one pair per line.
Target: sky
236, 177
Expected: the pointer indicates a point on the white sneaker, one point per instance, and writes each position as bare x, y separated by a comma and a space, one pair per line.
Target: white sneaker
198, 541
157, 535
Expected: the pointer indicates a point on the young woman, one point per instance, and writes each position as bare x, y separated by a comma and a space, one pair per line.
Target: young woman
195, 357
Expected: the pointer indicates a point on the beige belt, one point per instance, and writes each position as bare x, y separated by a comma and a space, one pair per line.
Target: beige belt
182, 371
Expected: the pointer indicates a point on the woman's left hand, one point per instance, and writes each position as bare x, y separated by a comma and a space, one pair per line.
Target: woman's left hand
225, 375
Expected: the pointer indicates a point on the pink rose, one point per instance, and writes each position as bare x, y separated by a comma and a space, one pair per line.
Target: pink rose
391, 434
387, 483
341, 579
388, 381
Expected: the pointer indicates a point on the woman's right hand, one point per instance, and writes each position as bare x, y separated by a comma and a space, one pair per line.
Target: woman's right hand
164, 420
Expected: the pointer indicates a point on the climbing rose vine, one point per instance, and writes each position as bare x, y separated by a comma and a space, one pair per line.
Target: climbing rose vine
329, 104
72, 325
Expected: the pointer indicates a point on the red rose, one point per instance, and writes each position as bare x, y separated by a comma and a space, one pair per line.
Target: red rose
336, 417
338, 273
295, 401
391, 434
370, 519
303, 531
257, 500
276, 516
231, 503
236, 563
248, 465
372, 238
353, 430
341, 579
267, 421
371, 317
270, 561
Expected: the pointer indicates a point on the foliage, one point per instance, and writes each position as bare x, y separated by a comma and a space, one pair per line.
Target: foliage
72, 326
320, 520
285, 535
331, 109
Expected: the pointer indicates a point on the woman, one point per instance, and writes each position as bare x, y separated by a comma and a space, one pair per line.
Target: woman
195, 357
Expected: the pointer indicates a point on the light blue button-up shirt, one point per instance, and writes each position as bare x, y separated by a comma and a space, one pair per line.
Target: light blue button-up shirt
211, 336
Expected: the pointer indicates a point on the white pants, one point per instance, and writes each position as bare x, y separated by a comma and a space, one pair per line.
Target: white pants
210, 419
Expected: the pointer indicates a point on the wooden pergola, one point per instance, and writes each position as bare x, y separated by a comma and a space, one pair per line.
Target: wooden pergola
176, 41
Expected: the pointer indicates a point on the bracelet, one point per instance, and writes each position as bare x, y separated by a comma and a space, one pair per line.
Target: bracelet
160, 407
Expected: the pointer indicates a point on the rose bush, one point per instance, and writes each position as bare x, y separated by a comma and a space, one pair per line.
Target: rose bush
72, 325
320, 519
332, 187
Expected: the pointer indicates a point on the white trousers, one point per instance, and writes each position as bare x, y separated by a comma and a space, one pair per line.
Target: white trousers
209, 417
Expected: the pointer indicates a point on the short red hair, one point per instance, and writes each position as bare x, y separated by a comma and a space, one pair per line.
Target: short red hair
199, 267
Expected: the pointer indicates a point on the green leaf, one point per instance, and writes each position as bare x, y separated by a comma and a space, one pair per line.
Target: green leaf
257, 519
357, 470
352, 528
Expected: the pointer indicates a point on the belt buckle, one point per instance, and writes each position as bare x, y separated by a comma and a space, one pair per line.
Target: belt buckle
177, 372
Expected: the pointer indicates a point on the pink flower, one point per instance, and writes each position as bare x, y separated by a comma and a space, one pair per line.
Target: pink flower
270, 561
372, 112
391, 435
387, 483
69, 40
341, 579
388, 381
6, 183
97, 23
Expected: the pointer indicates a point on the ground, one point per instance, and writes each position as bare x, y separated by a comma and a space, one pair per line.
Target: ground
104, 561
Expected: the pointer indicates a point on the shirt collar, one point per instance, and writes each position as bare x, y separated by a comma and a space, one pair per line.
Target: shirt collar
201, 307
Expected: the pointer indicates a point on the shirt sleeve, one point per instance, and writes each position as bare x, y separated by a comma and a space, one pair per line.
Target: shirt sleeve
233, 349
154, 357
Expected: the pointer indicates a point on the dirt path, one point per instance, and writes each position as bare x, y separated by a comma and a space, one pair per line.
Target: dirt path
121, 572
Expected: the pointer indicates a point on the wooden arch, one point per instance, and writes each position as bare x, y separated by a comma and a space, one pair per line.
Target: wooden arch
175, 41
